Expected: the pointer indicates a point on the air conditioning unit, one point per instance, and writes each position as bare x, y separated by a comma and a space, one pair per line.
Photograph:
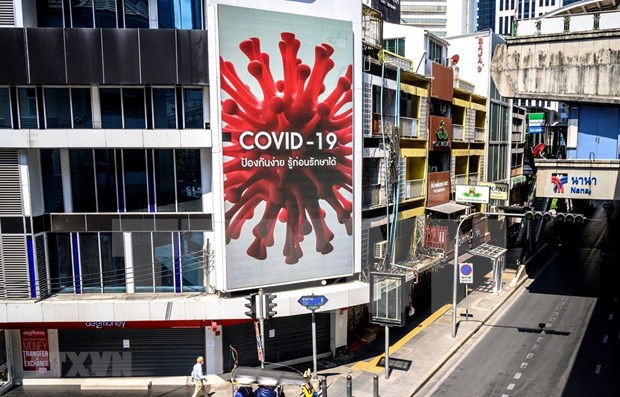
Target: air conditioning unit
380, 249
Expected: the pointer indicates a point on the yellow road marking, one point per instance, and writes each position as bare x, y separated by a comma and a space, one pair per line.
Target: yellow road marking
371, 366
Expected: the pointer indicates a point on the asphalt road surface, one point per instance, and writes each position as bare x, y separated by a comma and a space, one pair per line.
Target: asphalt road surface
560, 337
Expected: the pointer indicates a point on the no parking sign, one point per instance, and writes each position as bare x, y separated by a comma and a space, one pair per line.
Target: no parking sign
466, 273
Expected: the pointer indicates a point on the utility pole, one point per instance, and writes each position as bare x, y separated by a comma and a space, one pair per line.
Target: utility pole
261, 319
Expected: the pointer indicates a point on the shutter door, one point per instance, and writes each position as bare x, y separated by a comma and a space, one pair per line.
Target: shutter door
292, 339
153, 352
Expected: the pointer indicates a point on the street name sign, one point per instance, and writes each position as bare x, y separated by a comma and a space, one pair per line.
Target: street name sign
312, 302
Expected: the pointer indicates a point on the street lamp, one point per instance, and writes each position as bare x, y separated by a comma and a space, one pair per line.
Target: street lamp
456, 258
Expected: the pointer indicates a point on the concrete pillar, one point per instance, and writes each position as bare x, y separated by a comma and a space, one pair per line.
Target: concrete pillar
214, 350
338, 329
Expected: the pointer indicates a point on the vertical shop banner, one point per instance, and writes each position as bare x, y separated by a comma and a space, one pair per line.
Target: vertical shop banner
287, 128
35, 350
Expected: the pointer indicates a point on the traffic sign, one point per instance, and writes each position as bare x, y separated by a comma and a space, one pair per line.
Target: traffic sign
312, 302
466, 273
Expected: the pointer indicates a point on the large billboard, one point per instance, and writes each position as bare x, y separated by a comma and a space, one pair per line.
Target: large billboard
287, 132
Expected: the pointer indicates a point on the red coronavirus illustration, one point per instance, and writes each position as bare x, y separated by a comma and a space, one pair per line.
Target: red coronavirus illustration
290, 148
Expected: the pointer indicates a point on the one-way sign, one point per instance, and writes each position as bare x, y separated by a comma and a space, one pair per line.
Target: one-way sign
312, 302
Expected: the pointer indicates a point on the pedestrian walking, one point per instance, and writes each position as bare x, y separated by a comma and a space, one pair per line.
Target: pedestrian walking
199, 379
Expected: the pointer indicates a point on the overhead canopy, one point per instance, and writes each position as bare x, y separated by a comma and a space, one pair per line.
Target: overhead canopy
448, 208
488, 251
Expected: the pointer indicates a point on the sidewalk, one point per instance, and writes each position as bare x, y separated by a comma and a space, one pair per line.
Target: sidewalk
427, 347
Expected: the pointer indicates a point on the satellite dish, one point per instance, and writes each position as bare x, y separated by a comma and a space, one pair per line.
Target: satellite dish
455, 59
538, 150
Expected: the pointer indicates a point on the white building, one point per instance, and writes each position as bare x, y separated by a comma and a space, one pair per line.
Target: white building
148, 187
442, 18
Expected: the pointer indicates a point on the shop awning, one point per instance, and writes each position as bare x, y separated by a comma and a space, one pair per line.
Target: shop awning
448, 208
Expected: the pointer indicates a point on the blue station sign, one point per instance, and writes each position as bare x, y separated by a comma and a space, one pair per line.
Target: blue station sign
312, 302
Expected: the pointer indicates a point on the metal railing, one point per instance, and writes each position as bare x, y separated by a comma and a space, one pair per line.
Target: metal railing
479, 135
371, 195
458, 132
408, 127
414, 188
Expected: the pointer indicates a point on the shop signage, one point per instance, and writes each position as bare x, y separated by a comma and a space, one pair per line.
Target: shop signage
536, 123
472, 194
35, 350
498, 191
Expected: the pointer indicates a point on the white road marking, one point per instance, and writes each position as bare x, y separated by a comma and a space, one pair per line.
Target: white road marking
523, 365
529, 355
534, 347
598, 369
505, 395
548, 325
555, 314
611, 316
562, 303
511, 386
540, 339
552, 319
605, 339
518, 375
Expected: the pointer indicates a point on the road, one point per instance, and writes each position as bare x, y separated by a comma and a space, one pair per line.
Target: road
560, 336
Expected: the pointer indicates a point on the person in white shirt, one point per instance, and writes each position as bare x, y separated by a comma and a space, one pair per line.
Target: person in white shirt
198, 377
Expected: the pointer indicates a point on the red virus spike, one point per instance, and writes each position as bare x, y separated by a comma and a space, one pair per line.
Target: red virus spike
287, 194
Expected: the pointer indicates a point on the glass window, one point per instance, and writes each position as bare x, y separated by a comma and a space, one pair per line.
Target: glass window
60, 262
192, 260
179, 14
133, 108
82, 109
82, 180
189, 185
163, 262
134, 162
89, 262
136, 13
5, 108
142, 261
113, 262
57, 108
49, 14
105, 14
164, 180
192, 102
81, 13
27, 108
164, 108
111, 109
105, 166
52, 180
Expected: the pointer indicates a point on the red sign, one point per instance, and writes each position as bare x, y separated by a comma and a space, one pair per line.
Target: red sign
438, 188
35, 350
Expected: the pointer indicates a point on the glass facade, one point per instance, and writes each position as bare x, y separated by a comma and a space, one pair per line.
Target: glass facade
5, 108
171, 14
124, 180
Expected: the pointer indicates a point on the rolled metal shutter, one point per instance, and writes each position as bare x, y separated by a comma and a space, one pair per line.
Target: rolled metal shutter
292, 339
152, 352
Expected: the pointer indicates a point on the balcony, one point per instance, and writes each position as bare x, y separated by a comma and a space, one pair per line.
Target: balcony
408, 127
466, 179
388, 124
372, 29
479, 134
458, 132
414, 188
371, 195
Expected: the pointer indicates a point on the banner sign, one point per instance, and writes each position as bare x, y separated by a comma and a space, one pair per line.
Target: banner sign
287, 128
536, 123
35, 350
472, 194
498, 191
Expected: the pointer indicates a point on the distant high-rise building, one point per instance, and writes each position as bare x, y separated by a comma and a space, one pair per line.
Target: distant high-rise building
442, 18
497, 15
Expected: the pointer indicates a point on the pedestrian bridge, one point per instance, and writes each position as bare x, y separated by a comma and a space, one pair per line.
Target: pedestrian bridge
563, 56
571, 55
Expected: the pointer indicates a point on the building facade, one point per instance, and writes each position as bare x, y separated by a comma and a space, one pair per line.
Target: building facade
157, 169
